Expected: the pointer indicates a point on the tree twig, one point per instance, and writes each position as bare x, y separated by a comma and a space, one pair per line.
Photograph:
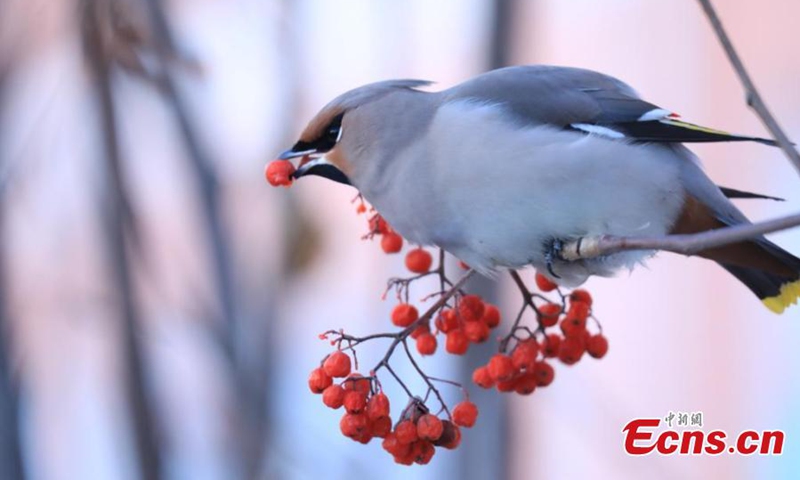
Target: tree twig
754, 99
113, 203
10, 448
686, 244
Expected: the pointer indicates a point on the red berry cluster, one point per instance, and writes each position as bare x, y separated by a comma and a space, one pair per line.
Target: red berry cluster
367, 414
471, 321
418, 433
523, 364
526, 367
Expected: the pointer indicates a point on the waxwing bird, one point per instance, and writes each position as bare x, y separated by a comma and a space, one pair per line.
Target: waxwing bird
500, 169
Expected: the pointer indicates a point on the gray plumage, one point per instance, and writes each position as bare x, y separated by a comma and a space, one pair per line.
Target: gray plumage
496, 140
497, 168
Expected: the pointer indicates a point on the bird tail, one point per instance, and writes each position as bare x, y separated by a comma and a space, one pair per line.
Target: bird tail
777, 288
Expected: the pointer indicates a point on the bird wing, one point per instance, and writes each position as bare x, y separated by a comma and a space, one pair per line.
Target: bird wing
734, 193
585, 101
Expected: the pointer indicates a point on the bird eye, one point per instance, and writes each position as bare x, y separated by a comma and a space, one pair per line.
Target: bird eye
335, 133
335, 129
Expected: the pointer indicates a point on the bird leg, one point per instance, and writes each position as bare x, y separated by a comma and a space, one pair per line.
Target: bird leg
552, 253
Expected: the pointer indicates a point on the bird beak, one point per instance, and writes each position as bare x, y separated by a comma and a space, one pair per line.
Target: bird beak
291, 153
320, 167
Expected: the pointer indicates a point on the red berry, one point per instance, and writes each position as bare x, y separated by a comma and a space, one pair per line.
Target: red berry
365, 436
471, 308
544, 283
333, 396
337, 364
318, 380
524, 355
451, 436
378, 225
406, 432
550, 345
482, 378
421, 330
476, 332
579, 310
391, 242
457, 342
544, 373
491, 316
354, 425
429, 427
355, 401
507, 385
279, 173
549, 314
570, 351
446, 321
426, 344
597, 346
355, 381
404, 315
381, 427
501, 368
378, 406
419, 261
526, 383
465, 414
408, 458
573, 326
581, 295
392, 445
423, 452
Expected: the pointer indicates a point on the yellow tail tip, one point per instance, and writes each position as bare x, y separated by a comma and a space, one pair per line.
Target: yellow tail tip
788, 296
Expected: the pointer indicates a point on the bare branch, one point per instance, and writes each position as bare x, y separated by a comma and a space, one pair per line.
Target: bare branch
689, 244
754, 99
113, 203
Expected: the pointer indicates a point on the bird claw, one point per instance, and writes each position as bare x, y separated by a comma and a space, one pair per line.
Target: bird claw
553, 253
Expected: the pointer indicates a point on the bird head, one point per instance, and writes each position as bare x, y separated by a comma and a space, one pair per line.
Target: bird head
336, 141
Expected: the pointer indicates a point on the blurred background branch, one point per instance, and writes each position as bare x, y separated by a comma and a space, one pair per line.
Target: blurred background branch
488, 455
114, 207
10, 449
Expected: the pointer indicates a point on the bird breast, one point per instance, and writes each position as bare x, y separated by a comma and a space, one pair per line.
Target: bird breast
495, 192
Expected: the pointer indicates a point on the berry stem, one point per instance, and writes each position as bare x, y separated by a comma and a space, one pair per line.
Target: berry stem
426, 379
402, 335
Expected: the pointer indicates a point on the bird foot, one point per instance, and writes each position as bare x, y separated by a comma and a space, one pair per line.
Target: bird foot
552, 254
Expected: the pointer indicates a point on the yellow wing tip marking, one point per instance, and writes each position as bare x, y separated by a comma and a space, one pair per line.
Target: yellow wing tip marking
692, 126
788, 296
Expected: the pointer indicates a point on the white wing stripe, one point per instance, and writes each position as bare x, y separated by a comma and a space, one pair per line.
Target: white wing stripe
655, 114
598, 130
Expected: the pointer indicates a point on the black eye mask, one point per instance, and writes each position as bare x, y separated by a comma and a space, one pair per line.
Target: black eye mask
328, 139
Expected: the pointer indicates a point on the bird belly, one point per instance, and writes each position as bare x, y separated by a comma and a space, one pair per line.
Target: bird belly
496, 194
509, 191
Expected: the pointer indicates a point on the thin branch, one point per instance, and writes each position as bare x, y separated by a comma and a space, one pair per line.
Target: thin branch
205, 176
401, 337
688, 244
10, 449
113, 202
754, 99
